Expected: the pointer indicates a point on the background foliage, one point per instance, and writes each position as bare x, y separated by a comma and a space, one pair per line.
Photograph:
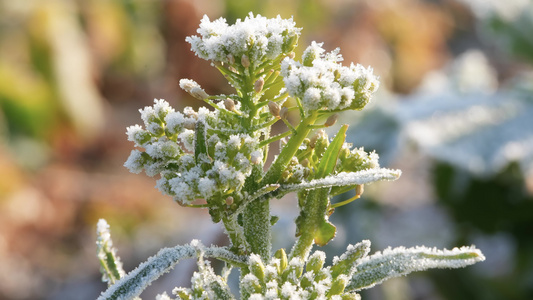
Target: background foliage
455, 113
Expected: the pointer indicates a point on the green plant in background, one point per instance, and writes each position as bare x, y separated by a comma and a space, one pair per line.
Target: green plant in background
219, 155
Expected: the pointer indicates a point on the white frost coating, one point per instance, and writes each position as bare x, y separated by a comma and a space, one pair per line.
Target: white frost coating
148, 115
321, 82
188, 84
289, 291
104, 246
258, 37
137, 280
135, 134
193, 88
346, 179
102, 232
352, 250
207, 187
163, 296
187, 138
162, 108
249, 281
401, 261
175, 122
135, 162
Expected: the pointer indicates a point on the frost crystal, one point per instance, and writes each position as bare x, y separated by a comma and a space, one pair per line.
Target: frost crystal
321, 82
256, 37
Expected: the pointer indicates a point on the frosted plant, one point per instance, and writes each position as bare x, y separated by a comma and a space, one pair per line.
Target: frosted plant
214, 158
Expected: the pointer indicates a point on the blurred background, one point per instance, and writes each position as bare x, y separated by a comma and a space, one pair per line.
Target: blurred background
454, 112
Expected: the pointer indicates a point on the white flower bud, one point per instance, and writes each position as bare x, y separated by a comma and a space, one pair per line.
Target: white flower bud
256, 157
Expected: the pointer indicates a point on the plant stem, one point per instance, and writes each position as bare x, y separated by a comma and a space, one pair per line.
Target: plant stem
256, 224
278, 166
311, 215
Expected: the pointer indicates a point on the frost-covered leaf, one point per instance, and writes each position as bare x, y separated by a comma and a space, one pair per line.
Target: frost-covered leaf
457, 118
347, 262
401, 261
479, 133
344, 179
137, 280
110, 265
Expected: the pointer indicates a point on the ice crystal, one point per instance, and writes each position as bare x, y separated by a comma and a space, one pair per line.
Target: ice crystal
321, 82
257, 37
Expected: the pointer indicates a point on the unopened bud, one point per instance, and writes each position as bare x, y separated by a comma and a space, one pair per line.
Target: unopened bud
359, 189
229, 104
193, 88
315, 262
312, 142
274, 109
305, 163
256, 157
199, 93
231, 59
189, 124
282, 256
291, 55
245, 61
284, 112
229, 200
331, 120
256, 266
258, 86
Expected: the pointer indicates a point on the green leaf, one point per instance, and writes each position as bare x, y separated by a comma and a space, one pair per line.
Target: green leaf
345, 265
329, 159
324, 233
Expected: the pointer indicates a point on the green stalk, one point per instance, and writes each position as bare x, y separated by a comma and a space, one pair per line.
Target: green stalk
315, 208
289, 150
256, 223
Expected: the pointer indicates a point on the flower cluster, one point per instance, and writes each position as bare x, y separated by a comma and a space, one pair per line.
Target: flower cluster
304, 164
255, 39
192, 162
296, 279
322, 83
